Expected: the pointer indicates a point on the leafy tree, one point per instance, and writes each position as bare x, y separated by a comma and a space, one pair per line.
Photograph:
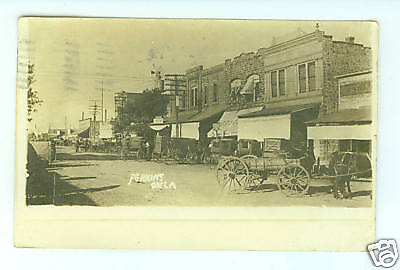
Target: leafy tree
142, 109
33, 98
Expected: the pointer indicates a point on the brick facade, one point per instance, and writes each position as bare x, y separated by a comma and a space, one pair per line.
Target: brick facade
213, 86
328, 59
241, 68
341, 58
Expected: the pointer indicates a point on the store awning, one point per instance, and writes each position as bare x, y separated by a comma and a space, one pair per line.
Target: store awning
228, 123
158, 127
190, 121
195, 116
345, 124
343, 117
258, 128
268, 111
210, 112
186, 130
84, 133
355, 132
275, 122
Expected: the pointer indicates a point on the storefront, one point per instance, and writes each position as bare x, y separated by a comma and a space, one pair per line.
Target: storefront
227, 125
193, 125
283, 123
189, 130
344, 131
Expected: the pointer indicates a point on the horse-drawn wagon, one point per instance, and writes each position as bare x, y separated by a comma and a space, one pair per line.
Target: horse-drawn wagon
293, 174
249, 172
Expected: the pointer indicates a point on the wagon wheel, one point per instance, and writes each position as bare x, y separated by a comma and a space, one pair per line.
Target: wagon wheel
232, 174
254, 180
293, 180
250, 160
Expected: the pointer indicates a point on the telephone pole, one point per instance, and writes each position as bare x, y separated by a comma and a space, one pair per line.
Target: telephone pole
102, 102
94, 108
176, 84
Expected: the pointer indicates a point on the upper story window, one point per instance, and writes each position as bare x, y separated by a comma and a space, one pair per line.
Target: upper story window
306, 75
235, 88
278, 82
251, 91
194, 96
215, 94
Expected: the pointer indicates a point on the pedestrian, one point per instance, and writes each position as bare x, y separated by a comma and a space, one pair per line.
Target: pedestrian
124, 148
77, 146
147, 149
52, 150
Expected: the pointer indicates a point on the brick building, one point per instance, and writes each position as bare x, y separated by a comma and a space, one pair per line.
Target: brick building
245, 80
349, 129
270, 93
300, 85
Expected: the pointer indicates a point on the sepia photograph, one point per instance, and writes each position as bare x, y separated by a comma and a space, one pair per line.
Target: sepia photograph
197, 113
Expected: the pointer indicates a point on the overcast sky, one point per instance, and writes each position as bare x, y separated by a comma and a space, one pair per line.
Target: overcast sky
126, 50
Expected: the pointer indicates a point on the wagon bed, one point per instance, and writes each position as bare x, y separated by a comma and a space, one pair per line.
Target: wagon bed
249, 172
293, 174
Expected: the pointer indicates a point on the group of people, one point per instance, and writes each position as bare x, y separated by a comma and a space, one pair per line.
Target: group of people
82, 145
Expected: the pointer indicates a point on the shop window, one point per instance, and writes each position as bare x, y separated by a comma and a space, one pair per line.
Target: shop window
244, 144
345, 146
362, 146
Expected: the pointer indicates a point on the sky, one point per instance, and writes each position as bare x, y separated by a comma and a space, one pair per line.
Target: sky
75, 58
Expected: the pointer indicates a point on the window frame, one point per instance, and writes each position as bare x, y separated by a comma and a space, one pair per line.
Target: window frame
307, 78
278, 90
194, 97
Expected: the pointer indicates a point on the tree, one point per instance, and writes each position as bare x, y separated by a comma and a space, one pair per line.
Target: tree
143, 109
33, 98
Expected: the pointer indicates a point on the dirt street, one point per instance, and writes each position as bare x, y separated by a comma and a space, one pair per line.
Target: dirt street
104, 180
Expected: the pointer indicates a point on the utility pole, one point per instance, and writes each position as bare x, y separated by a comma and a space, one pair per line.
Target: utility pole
94, 108
176, 83
102, 101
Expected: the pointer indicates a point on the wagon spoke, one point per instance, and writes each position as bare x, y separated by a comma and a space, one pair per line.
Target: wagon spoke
301, 188
302, 180
294, 172
285, 185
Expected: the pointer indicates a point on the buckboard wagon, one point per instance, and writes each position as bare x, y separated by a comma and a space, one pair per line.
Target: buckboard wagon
136, 147
248, 172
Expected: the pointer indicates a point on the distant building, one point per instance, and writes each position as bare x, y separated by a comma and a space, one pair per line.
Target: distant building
121, 100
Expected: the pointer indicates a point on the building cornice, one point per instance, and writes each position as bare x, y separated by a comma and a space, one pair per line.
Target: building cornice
291, 43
